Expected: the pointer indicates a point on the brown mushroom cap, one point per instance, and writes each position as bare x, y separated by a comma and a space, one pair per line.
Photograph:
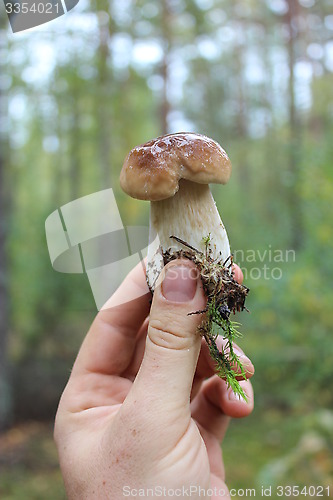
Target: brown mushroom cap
153, 170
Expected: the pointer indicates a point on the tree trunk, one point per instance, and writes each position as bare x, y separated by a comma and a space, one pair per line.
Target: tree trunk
242, 119
165, 105
5, 399
74, 168
104, 89
294, 198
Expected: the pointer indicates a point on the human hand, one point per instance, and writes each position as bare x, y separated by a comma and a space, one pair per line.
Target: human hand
143, 407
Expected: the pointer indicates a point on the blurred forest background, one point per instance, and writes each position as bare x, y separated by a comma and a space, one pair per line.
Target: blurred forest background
75, 96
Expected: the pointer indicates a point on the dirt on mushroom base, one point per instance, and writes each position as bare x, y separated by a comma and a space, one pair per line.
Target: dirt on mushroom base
224, 296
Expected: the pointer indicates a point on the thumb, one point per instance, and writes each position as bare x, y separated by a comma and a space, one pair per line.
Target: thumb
173, 342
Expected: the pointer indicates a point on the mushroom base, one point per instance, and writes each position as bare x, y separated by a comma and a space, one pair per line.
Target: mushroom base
224, 297
189, 214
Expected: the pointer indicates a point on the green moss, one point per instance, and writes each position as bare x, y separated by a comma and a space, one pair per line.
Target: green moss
224, 296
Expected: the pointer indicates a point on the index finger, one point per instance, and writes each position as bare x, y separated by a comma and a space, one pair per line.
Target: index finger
109, 345
238, 273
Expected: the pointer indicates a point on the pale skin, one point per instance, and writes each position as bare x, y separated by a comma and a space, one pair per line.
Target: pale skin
143, 407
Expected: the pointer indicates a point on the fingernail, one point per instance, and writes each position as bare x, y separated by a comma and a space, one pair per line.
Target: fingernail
233, 396
180, 283
242, 357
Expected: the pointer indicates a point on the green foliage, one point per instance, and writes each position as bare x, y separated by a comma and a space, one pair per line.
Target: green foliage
227, 361
224, 295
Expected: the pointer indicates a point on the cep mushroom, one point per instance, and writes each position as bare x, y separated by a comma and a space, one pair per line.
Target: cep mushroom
173, 172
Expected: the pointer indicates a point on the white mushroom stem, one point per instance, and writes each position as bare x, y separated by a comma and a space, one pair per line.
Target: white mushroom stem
191, 215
